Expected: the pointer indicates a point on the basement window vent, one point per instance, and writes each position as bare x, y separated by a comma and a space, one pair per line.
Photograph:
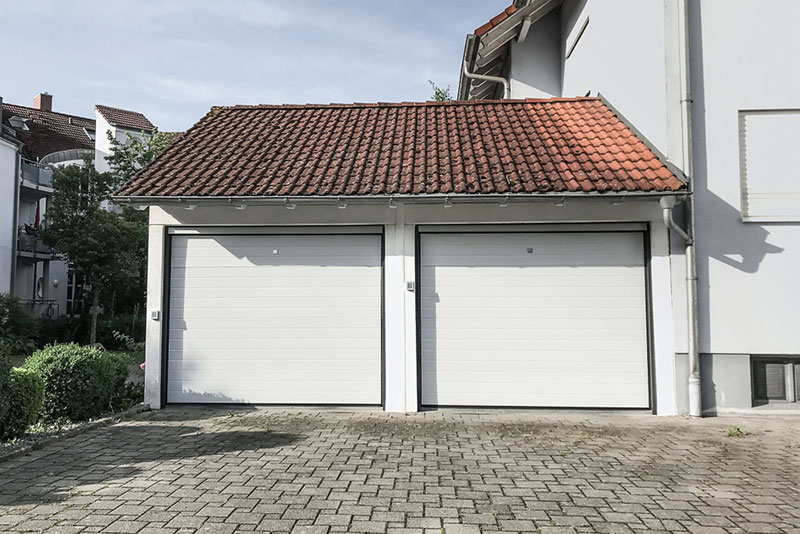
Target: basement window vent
775, 380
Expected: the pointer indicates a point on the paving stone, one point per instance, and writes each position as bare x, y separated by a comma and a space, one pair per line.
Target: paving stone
199, 469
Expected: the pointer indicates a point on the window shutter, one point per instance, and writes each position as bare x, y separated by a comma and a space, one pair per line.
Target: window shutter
770, 382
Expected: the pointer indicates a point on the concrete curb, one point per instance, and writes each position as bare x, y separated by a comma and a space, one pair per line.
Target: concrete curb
28, 447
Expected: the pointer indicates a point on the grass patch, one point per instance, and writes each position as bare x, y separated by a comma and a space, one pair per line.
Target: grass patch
735, 432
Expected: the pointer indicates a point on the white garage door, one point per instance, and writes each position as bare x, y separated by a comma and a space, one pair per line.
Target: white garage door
534, 319
275, 319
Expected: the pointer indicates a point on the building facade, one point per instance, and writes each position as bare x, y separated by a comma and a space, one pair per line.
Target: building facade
34, 140
711, 90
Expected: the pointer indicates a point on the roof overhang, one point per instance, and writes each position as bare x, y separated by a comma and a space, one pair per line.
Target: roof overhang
486, 50
500, 198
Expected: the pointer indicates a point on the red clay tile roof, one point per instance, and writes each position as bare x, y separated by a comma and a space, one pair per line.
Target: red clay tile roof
124, 118
48, 131
475, 147
510, 10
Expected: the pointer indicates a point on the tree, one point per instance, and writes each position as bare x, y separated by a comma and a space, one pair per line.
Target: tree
136, 152
104, 244
439, 94
125, 160
98, 244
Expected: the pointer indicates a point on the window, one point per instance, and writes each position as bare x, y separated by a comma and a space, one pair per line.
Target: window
770, 178
19, 123
74, 292
775, 379
572, 40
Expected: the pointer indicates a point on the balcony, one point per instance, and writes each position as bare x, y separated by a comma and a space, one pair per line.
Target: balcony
30, 245
37, 177
41, 307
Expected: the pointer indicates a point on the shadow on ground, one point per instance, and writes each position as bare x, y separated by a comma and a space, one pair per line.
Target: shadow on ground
120, 453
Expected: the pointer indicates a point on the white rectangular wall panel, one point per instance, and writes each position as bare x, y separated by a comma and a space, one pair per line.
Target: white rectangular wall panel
275, 319
534, 319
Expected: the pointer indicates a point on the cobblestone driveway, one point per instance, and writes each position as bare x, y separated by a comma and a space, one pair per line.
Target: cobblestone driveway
203, 470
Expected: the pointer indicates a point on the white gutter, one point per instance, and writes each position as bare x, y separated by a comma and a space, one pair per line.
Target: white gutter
381, 199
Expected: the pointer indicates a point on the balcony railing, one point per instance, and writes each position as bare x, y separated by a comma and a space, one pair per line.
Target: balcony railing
28, 240
41, 307
36, 175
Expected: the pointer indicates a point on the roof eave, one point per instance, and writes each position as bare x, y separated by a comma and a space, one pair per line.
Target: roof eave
372, 199
525, 9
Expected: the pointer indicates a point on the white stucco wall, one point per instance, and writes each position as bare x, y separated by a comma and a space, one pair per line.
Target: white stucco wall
535, 64
400, 310
102, 146
620, 54
8, 185
750, 270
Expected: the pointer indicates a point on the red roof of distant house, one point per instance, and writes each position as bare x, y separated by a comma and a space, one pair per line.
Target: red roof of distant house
48, 131
476, 147
124, 118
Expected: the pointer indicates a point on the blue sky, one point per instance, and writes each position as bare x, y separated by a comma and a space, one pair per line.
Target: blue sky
172, 60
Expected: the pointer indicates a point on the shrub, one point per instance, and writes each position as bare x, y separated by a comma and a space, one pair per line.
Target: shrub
18, 327
5, 378
108, 327
25, 394
79, 382
128, 396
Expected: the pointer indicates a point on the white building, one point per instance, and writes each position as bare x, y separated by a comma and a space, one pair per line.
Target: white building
717, 93
33, 141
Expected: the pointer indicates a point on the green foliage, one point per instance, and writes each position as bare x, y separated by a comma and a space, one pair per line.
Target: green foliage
101, 245
439, 94
127, 343
58, 330
5, 380
18, 327
80, 382
25, 394
136, 152
128, 396
735, 432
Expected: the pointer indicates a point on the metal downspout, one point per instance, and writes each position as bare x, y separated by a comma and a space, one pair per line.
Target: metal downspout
495, 79
695, 392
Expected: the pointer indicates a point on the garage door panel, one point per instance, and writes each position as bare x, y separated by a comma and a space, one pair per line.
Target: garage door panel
533, 320
555, 344
274, 322
245, 323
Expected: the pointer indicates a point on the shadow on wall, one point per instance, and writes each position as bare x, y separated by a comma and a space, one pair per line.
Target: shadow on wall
119, 453
723, 236
743, 249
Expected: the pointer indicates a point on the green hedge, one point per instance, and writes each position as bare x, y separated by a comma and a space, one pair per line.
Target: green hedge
5, 378
79, 382
18, 327
24, 394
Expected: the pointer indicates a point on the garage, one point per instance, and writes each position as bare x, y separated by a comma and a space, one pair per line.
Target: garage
275, 319
533, 319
